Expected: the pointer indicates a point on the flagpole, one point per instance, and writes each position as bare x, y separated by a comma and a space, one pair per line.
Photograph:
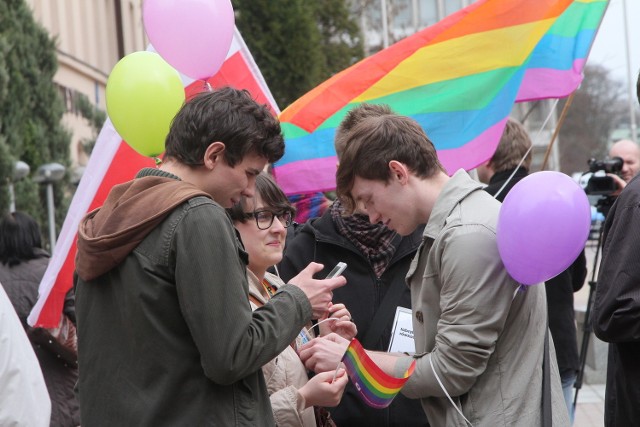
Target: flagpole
385, 24
557, 130
632, 113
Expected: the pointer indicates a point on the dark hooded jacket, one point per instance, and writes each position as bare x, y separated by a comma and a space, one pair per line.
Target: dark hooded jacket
21, 282
166, 335
616, 307
318, 240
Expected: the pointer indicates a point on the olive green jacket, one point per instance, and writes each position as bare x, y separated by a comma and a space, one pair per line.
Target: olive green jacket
167, 336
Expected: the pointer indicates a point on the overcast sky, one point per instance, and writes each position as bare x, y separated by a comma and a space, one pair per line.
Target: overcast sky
609, 47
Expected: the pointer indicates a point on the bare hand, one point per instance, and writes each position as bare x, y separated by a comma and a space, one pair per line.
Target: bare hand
620, 183
319, 292
343, 326
321, 391
323, 354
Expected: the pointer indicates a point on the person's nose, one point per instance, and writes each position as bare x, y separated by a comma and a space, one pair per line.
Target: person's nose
250, 189
374, 217
277, 226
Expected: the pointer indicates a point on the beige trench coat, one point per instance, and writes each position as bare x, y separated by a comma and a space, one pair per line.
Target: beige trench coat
484, 338
284, 375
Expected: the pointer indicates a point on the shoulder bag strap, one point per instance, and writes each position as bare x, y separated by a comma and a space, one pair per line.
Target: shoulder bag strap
255, 300
547, 419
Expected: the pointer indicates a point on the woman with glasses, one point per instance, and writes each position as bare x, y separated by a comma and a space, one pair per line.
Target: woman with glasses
262, 222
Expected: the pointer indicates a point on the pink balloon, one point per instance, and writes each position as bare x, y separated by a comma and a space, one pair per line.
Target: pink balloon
543, 225
193, 36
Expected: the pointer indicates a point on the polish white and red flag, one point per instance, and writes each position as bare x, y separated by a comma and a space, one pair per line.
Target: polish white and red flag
113, 162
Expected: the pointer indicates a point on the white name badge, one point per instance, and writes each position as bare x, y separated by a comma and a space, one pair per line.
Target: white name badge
402, 332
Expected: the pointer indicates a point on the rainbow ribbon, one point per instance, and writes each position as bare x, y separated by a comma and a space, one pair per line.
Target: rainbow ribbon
376, 387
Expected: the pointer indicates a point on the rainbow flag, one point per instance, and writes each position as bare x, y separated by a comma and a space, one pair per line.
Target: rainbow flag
458, 78
375, 386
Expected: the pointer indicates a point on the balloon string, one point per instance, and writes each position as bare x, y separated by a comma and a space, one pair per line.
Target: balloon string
544, 124
207, 86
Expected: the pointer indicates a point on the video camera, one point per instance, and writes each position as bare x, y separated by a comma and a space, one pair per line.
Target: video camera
599, 183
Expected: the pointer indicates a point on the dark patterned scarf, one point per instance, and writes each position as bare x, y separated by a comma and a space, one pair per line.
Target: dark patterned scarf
375, 241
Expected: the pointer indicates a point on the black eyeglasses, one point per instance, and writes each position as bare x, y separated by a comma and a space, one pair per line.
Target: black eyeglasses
264, 218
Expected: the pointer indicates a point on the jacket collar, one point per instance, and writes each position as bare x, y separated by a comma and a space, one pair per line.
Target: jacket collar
456, 189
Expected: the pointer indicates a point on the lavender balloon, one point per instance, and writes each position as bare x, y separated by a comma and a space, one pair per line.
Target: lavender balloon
543, 225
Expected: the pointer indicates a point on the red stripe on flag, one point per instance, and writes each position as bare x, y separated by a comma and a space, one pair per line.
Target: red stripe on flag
125, 164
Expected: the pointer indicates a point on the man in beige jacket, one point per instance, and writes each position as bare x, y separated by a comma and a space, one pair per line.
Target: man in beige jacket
479, 335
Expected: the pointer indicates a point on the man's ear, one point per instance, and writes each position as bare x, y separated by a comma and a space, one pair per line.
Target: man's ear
399, 171
213, 154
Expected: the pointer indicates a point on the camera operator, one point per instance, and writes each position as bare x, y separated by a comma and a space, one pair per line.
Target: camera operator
617, 306
629, 152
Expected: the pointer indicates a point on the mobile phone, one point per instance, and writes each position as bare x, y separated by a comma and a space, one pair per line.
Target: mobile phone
337, 270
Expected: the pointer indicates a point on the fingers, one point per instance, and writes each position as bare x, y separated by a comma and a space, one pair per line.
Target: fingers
333, 337
327, 376
339, 311
320, 354
323, 390
336, 282
306, 350
346, 329
311, 269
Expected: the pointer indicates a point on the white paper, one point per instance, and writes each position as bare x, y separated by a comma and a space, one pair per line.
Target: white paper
402, 332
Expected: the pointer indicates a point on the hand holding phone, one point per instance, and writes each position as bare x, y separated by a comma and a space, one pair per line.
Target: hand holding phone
337, 270
318, 291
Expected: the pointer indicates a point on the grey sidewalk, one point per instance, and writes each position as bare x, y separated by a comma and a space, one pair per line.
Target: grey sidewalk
590, 407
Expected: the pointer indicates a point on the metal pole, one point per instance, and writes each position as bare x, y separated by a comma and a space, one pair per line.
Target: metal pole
385, 24
51, 213
441, 12
632, 112
363, 27
12, 198
557, 129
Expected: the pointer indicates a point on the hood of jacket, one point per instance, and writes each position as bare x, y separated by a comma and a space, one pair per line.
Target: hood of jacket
132, 210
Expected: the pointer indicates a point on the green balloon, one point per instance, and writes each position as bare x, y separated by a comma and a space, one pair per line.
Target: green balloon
143, 95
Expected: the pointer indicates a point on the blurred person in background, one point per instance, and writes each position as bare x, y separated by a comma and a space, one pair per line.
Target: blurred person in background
629, 152
22, 265
24, 400
616, 308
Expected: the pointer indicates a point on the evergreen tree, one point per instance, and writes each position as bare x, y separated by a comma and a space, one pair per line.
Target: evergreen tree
30, 110
298, 43
341, 39
94, 116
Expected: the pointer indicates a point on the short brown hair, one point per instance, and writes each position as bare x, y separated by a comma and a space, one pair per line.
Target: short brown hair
228, 115
353, 117
374, 142
513, 146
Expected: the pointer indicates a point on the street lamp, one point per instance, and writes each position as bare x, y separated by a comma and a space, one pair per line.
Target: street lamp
20, 170
48, 174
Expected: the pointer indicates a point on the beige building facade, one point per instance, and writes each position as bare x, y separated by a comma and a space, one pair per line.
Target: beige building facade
91, 37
